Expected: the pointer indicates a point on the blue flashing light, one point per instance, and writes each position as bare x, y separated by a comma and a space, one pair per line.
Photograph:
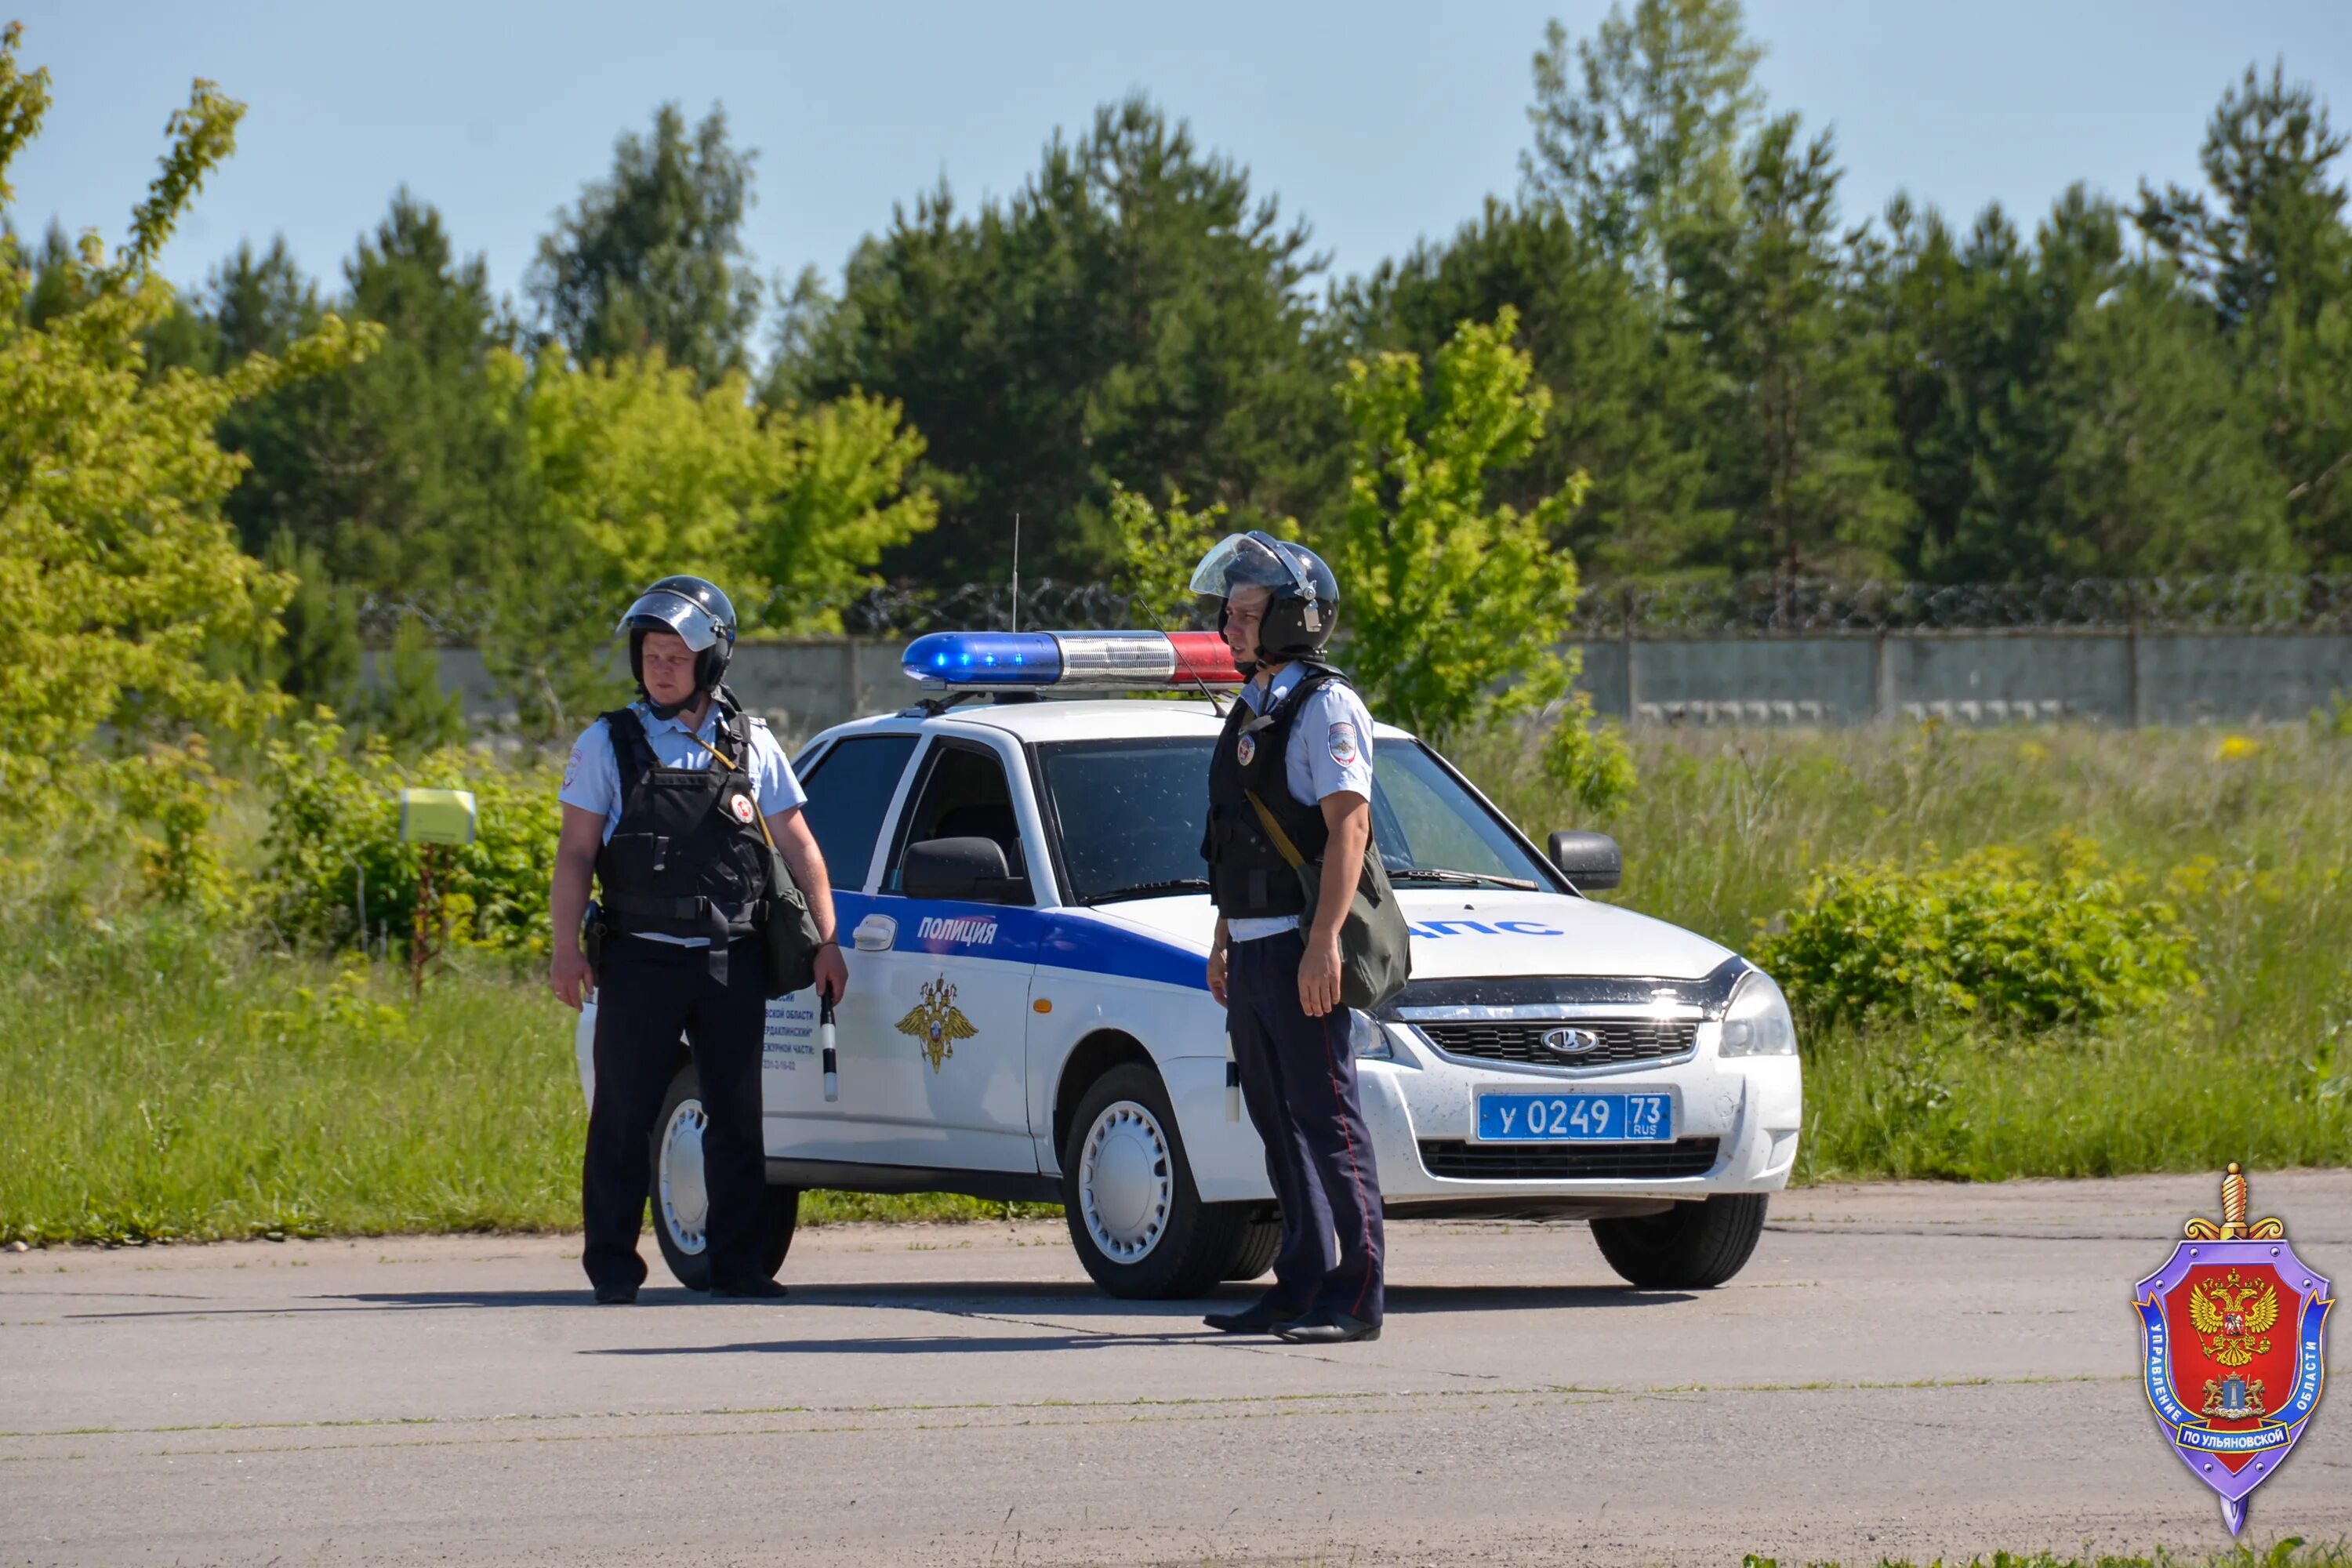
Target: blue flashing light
984, 658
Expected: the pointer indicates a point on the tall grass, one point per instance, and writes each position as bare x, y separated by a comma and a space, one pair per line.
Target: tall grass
2249, 834
162, 1075
166, 1079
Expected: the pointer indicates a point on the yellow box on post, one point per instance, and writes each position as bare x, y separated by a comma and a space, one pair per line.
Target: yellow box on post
436, 816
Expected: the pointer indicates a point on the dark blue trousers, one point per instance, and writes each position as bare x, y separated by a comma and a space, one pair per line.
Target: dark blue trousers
647, 995
1298, 1081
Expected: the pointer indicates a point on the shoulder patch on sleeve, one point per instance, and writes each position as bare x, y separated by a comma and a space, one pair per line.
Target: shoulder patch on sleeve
572, 767
1342, 744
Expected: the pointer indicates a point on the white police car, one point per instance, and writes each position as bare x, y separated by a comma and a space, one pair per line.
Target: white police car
1018, 886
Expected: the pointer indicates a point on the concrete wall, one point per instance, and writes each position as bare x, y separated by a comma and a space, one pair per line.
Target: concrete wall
1972, 677
1966, 678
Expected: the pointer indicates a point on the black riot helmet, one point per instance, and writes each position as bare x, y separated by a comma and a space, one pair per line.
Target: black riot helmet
695, 609
1304, 609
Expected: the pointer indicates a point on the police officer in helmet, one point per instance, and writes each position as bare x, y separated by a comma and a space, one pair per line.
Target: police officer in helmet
1298, 747
663, 803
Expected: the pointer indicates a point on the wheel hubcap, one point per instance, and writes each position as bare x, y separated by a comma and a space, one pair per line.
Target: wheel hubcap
1127, 1182
685, 1195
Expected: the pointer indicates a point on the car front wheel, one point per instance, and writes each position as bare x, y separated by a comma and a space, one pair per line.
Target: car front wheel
1691, 1246
1139, 1226
681, 1196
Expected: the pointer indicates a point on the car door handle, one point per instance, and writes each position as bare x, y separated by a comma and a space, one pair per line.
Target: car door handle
875, 933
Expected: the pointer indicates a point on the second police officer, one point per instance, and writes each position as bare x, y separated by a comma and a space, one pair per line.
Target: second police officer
1298, 746
663, 803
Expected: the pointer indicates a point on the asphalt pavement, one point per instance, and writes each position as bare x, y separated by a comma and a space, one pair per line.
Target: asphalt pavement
1908, 1371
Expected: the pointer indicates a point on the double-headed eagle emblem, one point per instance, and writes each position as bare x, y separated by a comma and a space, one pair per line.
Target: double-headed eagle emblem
2234, 1318
936, 1023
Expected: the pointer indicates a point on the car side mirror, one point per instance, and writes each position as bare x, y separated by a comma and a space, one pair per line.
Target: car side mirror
972, 869
1590, 860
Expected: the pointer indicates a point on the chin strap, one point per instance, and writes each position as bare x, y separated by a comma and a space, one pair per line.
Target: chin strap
666, 710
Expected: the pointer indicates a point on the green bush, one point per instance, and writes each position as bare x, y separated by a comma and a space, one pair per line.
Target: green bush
336, 859
1994, 936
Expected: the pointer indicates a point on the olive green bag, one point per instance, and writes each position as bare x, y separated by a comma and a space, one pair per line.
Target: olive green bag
1375, 948
788, 941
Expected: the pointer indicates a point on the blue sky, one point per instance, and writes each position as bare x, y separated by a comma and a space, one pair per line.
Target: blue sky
1380, 122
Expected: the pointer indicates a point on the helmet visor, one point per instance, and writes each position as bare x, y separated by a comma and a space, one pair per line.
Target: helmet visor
662, 610
1243, 560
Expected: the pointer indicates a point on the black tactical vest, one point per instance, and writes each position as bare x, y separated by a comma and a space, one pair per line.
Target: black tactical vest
1248, 877
687, 857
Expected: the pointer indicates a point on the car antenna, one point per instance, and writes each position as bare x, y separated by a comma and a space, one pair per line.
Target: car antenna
1016, 571
1214, 706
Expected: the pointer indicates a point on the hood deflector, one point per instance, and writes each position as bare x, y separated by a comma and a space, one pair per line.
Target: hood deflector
1711, 994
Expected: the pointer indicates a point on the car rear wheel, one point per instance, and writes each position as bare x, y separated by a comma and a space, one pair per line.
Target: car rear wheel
681, 1196
1691, 1246
1256, 1242
1137, 1223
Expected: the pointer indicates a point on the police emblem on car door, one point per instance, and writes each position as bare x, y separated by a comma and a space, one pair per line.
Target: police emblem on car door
938, 1024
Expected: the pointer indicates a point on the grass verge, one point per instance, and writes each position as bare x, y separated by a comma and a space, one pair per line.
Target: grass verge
162, 1078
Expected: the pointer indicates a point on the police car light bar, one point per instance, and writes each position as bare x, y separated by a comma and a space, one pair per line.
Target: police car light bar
982, 661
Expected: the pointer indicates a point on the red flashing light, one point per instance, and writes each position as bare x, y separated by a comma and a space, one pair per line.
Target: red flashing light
1202, 656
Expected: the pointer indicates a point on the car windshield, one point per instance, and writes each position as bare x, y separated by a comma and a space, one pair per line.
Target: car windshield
1129, 816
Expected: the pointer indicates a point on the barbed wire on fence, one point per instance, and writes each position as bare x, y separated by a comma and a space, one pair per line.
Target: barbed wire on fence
1774, 604
1758, 606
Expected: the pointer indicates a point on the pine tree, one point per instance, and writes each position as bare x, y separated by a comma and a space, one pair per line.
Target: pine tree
652, 257
1639, 137
2163, 469
2273, 254
1132, 316
317, 659
398, 470
1800, 438
408, 705
1628, 399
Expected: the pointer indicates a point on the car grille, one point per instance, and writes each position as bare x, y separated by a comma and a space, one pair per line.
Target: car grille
1622, 1040
1548, 1162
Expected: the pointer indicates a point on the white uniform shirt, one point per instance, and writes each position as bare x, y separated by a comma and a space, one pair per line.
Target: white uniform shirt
592, 778
1330, 751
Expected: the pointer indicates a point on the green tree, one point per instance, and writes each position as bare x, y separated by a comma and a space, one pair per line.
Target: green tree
400, 470
1638, 128
1629, 399
59, 281
2273, 255
116, 566
653, 256
1974, 328
408, 706
633, 471
1159, 547
317, 660
2163, 469
1799, 430
1132, 316
1452, 607
260, 304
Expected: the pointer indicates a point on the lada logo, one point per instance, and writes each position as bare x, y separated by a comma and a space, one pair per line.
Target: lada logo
1571, 1042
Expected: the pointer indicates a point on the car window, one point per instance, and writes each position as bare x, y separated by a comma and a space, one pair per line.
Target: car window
1128, 815
1422, 817
849, 789
963, 795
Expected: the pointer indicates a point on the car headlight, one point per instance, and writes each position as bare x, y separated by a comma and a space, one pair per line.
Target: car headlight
1757, 1023
1370, 1041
